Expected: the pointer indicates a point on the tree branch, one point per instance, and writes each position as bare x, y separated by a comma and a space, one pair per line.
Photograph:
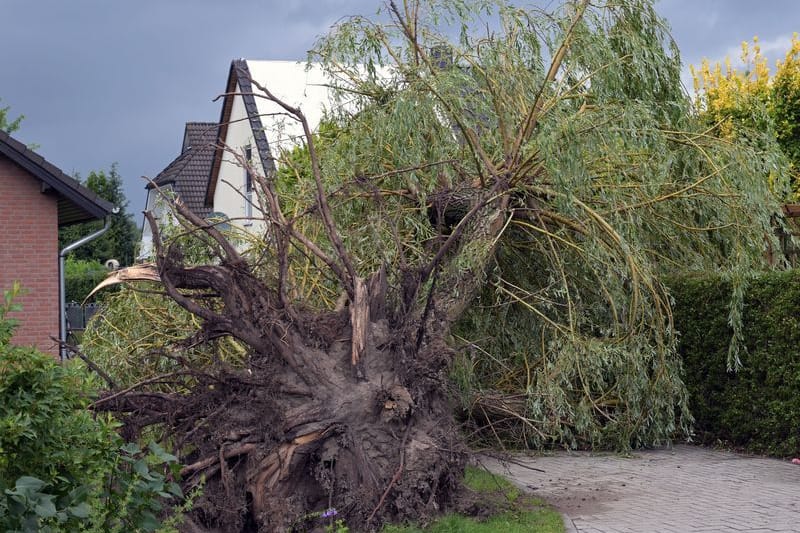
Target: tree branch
533, 116
324, 208
231, 255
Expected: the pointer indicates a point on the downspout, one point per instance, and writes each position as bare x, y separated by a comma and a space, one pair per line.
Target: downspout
144, 220
62, 284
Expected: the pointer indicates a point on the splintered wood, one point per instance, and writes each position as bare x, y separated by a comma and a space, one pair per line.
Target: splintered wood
359, 319
276, 467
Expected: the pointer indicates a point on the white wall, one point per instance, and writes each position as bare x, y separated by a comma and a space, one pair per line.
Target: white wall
298, 85
228, 195
157, 205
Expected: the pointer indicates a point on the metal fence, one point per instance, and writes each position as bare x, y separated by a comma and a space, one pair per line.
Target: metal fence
79, 315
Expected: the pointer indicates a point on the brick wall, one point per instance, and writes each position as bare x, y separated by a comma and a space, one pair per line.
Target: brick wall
29, 254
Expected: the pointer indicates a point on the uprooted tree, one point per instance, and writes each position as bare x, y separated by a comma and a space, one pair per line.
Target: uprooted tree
546, 164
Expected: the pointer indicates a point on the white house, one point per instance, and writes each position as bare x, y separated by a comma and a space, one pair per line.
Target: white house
186, 178
207, 176
256, 129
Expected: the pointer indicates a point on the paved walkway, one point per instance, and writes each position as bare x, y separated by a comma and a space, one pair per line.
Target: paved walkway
678, 490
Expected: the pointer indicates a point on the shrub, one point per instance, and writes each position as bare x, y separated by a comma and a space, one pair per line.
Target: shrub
756, 407
80, 277
62, 467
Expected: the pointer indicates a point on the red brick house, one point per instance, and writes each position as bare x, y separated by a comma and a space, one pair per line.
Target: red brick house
36, 198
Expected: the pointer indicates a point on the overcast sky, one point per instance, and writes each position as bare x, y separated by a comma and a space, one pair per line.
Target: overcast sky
104, 81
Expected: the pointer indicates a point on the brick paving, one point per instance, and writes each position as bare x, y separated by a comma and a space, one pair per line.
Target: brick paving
670, 490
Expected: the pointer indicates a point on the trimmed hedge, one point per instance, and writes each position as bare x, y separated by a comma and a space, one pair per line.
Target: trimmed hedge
758, 407
81, 276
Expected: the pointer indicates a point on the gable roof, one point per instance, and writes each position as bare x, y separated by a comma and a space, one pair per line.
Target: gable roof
76, 203
189, 172
296, 83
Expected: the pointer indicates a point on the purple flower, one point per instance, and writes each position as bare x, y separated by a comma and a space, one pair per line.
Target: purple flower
329, 513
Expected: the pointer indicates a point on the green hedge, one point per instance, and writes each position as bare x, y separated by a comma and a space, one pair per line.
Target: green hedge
758, 407
80, 277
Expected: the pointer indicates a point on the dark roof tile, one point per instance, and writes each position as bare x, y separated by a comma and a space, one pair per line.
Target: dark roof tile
190, 171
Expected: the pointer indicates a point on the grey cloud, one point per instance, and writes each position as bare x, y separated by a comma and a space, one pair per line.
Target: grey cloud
102, 81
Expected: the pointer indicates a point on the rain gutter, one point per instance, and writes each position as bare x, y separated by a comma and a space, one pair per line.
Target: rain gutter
62, 301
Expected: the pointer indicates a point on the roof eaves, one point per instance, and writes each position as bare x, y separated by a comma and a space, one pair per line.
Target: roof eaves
48, 173
171, 171
239, 74
224, 119
249, 100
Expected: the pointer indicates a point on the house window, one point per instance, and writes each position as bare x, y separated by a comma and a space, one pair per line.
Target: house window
248, 186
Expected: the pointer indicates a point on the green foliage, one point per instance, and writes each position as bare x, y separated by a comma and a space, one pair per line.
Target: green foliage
135, 337
751, 106
45, 430
142, 481
62, 467
785, 108
25, 508
481, 480
511, 522
529, 514
756, 407
81, 276
132, 498
5, 125
121, 239
7, 305
142, 333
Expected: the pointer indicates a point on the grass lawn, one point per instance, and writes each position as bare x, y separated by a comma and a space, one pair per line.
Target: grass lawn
517, 512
